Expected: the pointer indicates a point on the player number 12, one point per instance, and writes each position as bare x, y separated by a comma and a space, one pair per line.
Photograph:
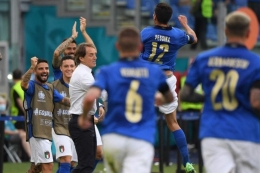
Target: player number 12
163, 47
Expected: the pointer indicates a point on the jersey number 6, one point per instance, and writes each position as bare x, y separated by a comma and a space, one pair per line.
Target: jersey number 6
134, 103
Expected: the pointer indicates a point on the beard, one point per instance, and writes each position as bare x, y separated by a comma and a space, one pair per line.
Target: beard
42, 79
70, 54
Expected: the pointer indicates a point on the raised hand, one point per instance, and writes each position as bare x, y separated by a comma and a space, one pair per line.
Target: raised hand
74, 31
183, 20
83, 24
34, 61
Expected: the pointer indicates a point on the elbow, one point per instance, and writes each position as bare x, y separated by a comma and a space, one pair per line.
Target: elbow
88, 100
23, 86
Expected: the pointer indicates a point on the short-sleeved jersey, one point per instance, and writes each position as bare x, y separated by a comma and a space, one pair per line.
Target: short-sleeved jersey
227, 74
161, 45
28, 95
131, 86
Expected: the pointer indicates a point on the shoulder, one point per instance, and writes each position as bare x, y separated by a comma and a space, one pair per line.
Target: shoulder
107, 68
148, 28
147, 31
211, 52
50, 85
55, 82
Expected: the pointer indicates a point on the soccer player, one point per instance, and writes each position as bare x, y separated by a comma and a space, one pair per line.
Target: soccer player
68, 47
65, 149
161, 43
130, 124
38, 104
230, 77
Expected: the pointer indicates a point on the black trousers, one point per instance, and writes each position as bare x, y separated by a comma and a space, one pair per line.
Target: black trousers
85, 144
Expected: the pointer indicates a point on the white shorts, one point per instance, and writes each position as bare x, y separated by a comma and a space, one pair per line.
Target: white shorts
127, 155
40, 150
64, 146
98, 137
171, 107
230, 156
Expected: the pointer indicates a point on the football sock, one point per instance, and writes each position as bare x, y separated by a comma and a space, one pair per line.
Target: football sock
71, 168
96, 162
181, 143
64, 168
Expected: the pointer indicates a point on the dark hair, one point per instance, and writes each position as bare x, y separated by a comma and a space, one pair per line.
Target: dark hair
163, 13
66, 57
73, 41
81, 51
17, 74
129, 39
41, 61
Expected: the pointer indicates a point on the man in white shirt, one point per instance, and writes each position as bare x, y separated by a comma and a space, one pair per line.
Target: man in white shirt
81, 80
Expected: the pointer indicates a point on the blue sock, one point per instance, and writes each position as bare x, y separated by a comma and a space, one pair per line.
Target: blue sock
96, 162
181, 143
64, 168
71, 168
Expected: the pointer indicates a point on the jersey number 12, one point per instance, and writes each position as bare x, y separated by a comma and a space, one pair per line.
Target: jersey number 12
163, 47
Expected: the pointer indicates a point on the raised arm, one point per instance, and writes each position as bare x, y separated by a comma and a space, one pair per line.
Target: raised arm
184, 22
60, 49
83, 25
27, 76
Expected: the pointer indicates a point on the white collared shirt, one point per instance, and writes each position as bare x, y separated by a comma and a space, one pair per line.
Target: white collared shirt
80, 82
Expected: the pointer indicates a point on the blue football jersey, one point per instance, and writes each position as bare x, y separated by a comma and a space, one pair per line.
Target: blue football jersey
161, 45
131, 86
227, 74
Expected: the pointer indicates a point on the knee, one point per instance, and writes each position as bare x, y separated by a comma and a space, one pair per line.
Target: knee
99, 153
22, 134
47, 167
65, 159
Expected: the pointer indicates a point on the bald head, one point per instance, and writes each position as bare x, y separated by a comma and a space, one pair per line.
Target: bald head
237, 24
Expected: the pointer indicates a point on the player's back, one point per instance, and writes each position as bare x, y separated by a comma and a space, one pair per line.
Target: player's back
227, 74
131, 87
161, 45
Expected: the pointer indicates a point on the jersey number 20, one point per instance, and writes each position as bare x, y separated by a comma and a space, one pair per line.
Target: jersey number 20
227, 84
134, 103
164, 47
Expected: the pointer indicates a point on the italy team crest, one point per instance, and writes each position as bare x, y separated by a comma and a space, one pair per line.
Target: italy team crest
47, 154
62, 149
